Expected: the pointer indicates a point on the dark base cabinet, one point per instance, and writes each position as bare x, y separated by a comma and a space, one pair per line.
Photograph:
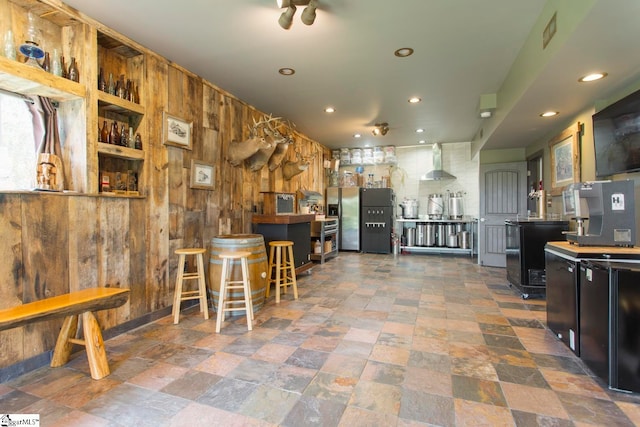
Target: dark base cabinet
525, 241
594, 318
299, 233
562, 299
625, 352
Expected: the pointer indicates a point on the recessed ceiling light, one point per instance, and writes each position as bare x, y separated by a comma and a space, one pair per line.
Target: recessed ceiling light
419, 130
592, 77
287, 71
422, 141
414, 100
329, 110
549, 114
357, 135
403, 52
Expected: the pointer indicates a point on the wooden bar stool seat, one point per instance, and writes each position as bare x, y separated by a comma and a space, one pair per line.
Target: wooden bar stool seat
225, 303
199, 294
282, 271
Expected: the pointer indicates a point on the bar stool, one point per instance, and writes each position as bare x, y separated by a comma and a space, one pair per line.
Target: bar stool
283, 268
227, 284
201, 293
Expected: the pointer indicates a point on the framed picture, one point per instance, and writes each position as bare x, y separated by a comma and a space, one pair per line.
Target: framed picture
176, 132
565, 159
202, 175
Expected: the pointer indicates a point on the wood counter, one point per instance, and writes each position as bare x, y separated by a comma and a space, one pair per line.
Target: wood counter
594, 252
282, 219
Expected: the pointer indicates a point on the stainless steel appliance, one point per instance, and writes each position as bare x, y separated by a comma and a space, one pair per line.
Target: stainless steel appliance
435, 206
376, 213
409, 208
344, 203
610, 209
456, 205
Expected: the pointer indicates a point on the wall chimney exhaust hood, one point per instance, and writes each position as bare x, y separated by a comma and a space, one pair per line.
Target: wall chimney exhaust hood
437, 173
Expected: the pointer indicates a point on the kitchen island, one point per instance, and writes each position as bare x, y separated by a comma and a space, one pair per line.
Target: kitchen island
292, 227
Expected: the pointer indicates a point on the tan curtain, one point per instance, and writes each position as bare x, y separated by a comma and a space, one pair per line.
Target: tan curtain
49, 170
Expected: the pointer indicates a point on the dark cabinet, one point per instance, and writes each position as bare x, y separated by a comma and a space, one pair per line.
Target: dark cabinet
525, 242
594, 318
562, 278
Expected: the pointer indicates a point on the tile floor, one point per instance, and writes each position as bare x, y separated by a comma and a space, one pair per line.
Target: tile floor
374, 340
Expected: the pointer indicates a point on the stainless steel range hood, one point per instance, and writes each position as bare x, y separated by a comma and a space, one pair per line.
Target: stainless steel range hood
437, 173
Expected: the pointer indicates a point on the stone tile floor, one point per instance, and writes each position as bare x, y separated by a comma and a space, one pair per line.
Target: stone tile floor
374, 340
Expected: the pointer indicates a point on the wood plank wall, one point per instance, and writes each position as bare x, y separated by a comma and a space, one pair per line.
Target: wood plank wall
54, 243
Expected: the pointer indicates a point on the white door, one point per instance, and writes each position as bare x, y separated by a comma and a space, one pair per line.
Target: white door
503, 195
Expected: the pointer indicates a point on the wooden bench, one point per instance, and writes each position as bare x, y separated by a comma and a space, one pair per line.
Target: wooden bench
71, 306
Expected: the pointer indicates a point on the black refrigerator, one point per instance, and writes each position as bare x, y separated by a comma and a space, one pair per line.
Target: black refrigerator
376, 219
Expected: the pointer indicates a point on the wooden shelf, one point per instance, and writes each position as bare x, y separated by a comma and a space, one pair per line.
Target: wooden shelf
116, 104
120, 152
26, 80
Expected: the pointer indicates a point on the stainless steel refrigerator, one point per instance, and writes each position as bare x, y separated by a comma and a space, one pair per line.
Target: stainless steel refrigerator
344, 203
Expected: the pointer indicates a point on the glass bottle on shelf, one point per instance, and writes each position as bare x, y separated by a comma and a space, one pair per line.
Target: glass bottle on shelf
111, 86
138, 144
114, 135
120, 89
127, 90
9, 46
123, 137
102, 83
131, 141
56, 68
73, 73
46, 62
63, 67
136, 95
104, 133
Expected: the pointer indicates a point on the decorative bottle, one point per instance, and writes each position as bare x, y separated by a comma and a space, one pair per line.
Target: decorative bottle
73, 71
136, 95
9, 46
63, 67
127, 90
104, 133
102, 83
123, 137
120, 87
138, 143
114, 135
131, 141
111, 87
46, 62
56, 68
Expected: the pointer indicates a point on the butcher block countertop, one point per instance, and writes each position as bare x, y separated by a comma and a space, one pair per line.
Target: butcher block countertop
594, 252
282, 219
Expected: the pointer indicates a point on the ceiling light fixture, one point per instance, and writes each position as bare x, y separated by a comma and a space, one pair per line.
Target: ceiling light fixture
329, 110
414, 100
307, 17
287, 71
357, 135
549, 114
592, 77
403, 52
380, 129
419, 130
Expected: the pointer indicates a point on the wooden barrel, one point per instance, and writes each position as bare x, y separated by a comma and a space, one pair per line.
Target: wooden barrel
258, 264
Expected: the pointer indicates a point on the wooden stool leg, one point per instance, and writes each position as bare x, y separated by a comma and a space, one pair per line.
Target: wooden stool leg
223, 291
278, 278
95, 346
202, 286
177, 295
63, 345
248, 305
292, 269
270, 270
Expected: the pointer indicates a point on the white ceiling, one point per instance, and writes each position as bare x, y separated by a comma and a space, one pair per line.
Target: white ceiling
463, 49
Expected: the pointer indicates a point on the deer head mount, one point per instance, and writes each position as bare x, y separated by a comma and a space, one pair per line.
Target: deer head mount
291, 169
242, 150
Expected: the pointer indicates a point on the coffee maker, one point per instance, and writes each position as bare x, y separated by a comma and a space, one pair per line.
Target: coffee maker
609, 207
